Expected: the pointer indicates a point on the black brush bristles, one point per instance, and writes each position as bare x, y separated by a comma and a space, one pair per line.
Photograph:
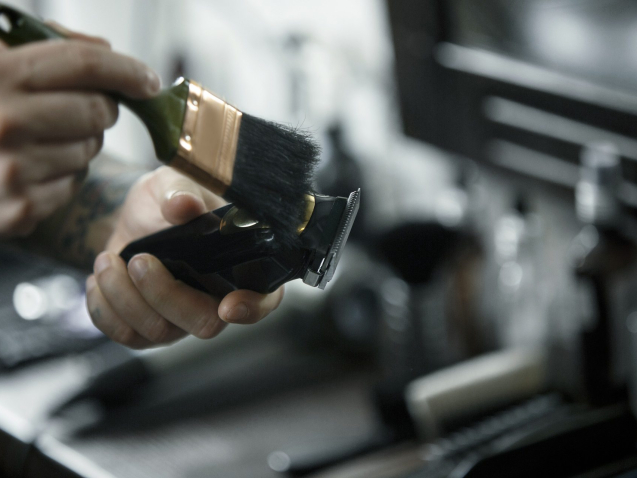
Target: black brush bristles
273, 172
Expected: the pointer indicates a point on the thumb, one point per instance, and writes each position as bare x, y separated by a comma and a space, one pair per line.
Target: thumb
179, 197
183, 203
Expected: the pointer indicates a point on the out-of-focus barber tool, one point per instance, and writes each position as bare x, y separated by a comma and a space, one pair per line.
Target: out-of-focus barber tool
228, 249
475, 387
543, 437
265, 167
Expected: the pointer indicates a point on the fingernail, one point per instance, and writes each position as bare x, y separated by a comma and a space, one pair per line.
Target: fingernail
173, 194
237, 313
102, 263
194, 197
153, 82
137, 268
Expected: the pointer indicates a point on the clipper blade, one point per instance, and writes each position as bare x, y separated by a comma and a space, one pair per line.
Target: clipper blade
328, 267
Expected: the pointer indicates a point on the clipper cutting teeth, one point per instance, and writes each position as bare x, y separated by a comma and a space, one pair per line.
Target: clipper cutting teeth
344, 228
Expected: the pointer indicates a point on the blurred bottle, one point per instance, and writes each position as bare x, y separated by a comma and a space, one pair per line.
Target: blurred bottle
599, 253
521, 308
596, 194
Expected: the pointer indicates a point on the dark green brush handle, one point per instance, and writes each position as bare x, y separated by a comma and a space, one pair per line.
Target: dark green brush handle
162, 115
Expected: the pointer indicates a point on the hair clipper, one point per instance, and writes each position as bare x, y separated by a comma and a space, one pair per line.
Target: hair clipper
226, 249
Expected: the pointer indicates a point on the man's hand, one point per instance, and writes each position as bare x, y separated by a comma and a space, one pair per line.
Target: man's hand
143, 305
52, 118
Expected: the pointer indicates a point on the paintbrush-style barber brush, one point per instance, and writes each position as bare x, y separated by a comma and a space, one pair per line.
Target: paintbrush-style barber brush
264, 167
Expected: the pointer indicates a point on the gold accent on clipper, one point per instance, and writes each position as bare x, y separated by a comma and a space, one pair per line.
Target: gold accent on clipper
209, 139
310, 202
237, 219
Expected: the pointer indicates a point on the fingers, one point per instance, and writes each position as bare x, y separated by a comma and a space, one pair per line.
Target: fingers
48, 197
51, 121
58, 116
180, 198
187, 308
107, 321
73, 64
248, 307
12, 219
147, 307
21, 212
179, 207
145, 296
36, 163
128, 304
77, 35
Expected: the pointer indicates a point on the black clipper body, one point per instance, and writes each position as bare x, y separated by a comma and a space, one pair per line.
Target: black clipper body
225, 249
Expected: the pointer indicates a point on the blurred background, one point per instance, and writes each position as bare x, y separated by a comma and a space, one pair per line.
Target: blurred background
483, 319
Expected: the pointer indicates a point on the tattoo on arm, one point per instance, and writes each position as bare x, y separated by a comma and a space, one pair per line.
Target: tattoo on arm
78, 232
99, 197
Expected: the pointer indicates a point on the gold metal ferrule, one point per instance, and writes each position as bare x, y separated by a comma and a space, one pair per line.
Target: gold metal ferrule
209, 139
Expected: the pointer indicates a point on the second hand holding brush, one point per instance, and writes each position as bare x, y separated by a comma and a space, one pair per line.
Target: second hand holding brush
264, 167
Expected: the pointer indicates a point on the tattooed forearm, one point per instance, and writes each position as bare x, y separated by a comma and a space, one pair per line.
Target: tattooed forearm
99, 198
78, 232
